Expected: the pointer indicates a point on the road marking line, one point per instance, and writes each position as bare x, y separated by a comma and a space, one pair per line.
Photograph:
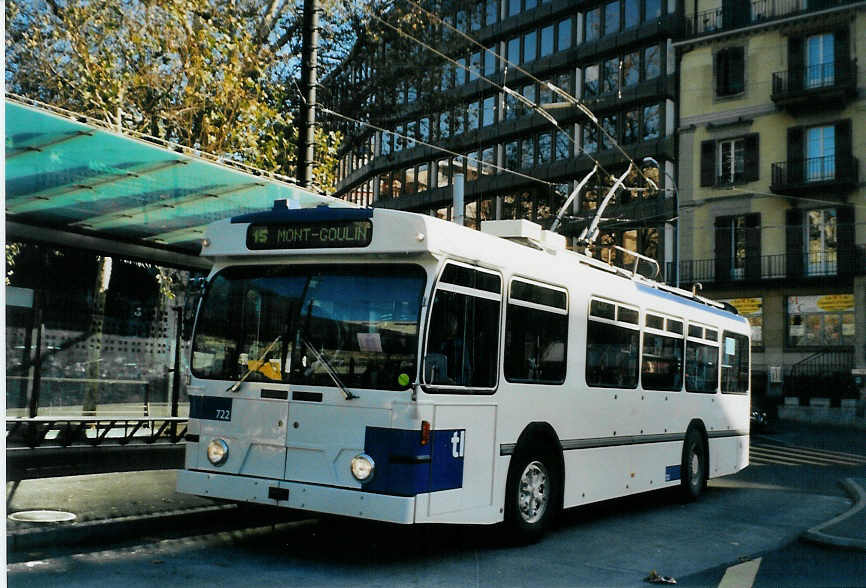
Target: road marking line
741, 575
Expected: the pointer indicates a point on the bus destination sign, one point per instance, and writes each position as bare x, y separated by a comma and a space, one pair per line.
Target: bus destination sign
310, 235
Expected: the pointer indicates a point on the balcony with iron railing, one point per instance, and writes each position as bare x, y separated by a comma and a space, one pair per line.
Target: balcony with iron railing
738, 14
825, 84
831, 173
820, 264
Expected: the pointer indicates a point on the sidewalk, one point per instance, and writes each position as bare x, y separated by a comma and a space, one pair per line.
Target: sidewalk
106, 507
116, 506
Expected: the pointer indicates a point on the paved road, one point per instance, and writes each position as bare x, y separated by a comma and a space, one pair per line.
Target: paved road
743, 531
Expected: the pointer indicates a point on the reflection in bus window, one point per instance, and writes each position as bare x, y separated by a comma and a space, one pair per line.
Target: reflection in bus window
611, 350
735, 363
536, 334
662, 363
263, 319
702, 367
464, 330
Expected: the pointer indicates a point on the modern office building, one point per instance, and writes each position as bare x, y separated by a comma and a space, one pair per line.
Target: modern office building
616, 56
772, 201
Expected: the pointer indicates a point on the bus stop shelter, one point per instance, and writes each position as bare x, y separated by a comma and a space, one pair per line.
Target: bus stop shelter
76, 183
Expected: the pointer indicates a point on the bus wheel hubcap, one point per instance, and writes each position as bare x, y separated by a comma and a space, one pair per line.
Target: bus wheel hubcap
533, 492
695, 468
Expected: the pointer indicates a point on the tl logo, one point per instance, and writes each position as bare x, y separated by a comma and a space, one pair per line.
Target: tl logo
457, 444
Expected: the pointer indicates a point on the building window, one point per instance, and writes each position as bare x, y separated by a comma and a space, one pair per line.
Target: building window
459, 122
488, 116
730, 67
545, 148
611, 17
562, 149
651, 122
563, 39
527, 153
653, 10
491, 12
631, 69
513, 7
610, 76
423, 177
731, 161
738, 247
530, 40
474, 66
592, 25
632, 13
631, 127
590, 81
821, 320
473, 116
488, 159
513, 51
547, 41
752, 309
608, 123
442, 173
512, 155
476, 16
821, 242
545, 94
590, 138
819, 61
820, 154
652, 62
489, 61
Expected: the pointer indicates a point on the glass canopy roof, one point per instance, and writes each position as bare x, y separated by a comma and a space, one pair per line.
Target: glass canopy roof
77, 176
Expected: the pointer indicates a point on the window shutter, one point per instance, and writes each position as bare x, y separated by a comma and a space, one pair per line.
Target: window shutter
842, 54
736, 70
794, 167
794, 251
844, 162
845, 249
753, 245
723, 249
722, 72
795, 63
708, 163
750, 156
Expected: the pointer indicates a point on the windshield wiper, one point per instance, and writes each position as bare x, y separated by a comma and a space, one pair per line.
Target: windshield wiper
258, 363
328, 368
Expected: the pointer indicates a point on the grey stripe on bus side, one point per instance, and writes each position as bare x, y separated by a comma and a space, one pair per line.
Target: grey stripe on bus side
569, 444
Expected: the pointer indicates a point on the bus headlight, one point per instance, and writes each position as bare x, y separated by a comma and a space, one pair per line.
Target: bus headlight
218, 452
363, 467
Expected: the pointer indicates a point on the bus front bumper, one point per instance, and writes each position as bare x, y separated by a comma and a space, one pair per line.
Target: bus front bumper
308, 497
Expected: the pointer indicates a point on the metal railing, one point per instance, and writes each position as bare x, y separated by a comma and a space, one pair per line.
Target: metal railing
814, 77
771, 267
825, 374
734, 15
798, 173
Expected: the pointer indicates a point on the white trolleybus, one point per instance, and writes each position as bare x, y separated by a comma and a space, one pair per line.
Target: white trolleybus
392, 366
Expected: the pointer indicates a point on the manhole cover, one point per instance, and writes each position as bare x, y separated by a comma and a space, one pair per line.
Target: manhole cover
42, 516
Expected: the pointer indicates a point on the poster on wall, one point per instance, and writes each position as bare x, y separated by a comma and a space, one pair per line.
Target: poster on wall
821, 320
752, 309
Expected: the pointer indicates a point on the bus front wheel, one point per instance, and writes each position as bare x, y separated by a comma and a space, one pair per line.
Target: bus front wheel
531, 495
693, 471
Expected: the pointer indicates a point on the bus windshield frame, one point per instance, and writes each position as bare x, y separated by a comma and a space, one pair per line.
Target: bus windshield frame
258, 322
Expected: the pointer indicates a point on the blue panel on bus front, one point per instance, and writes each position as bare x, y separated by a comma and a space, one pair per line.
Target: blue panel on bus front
404, 467
281, 214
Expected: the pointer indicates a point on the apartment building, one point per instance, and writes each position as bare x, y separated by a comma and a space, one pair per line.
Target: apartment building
772, 203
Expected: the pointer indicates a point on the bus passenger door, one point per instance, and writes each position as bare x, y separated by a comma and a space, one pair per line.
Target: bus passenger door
462, 461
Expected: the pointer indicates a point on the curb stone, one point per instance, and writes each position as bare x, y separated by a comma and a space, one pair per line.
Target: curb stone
818, 535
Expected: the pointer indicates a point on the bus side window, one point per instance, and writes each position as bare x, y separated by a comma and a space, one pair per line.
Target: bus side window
612, 347
662, 360
735, 363
702, 362
464, 330
536, 334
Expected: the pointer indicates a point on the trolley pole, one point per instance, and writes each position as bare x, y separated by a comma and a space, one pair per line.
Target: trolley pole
309, 81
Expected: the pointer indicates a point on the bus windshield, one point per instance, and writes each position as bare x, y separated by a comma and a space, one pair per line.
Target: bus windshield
258, 323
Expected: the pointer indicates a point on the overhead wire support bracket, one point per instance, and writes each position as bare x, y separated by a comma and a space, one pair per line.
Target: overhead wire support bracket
590, 233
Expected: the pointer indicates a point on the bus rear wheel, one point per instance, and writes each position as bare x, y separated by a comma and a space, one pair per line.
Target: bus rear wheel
531, 496
693, 471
